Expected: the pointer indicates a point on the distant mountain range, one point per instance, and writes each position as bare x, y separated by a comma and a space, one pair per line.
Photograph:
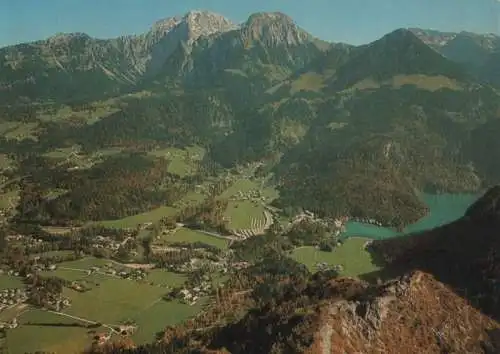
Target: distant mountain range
195, 46
353, 130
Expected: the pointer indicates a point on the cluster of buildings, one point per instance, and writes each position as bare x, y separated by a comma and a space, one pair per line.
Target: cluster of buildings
39, 267
106, 242
132, 274
58, 304
193, 295
9, 297
9, 272
323, 266
196, 263
11, 324
370, 221
253, 195
18, 237
337, 226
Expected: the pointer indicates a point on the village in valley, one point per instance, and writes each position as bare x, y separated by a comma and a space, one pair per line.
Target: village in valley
95, 279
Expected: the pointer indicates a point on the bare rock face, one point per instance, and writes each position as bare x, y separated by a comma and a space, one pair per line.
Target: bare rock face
152, 49
435, 39
204, 23
415, 313
274, 28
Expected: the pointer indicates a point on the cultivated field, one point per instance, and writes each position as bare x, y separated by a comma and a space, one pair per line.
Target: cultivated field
50, 254
110, 301
246, 212
135, 220
186, 235
8, 282
158, 315
351, 255
50, 333
245, 215
18, 130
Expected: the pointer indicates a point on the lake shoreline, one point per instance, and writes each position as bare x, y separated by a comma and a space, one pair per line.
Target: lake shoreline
443, 209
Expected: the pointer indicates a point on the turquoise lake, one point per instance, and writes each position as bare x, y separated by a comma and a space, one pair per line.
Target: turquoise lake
443, 209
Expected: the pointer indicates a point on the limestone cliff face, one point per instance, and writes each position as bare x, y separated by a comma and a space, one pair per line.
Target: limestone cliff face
71, 63
270, 45
154, 47
274, 29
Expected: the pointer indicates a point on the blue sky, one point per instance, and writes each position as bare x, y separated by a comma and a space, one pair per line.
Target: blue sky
352, 21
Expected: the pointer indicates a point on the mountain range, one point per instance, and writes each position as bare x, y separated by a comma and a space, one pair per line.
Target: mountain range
413, 111
340, 130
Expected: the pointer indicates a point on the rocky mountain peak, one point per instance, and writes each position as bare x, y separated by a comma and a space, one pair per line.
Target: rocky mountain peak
194, 25
165, 25
274, 28
62, 38
413, 306
400, 34
433, 38
205, 23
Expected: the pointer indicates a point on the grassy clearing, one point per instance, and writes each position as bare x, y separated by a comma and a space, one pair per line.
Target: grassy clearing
425, 82
9, 282
191, 198
9, 199
162, 277
18, 130
58, 230
50, 254
365, 84
292, 132
244, 185
109, 151
60, 153
5, 127
5, 161
191, 236
134, 220
351, 255
77, 270
183, 162
86, 263
101, 109
114, 300
243, 214
43, 331
337, 125
308, 82
158, 316
12, 312
22, 131
67, 274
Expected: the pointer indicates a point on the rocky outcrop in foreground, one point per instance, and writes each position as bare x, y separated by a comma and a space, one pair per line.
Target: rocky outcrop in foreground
415, 314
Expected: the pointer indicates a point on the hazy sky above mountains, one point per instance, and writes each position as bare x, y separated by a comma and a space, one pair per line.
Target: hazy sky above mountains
352, 21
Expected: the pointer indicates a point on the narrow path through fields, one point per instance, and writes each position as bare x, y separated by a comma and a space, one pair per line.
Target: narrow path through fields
86, 271
84, 320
